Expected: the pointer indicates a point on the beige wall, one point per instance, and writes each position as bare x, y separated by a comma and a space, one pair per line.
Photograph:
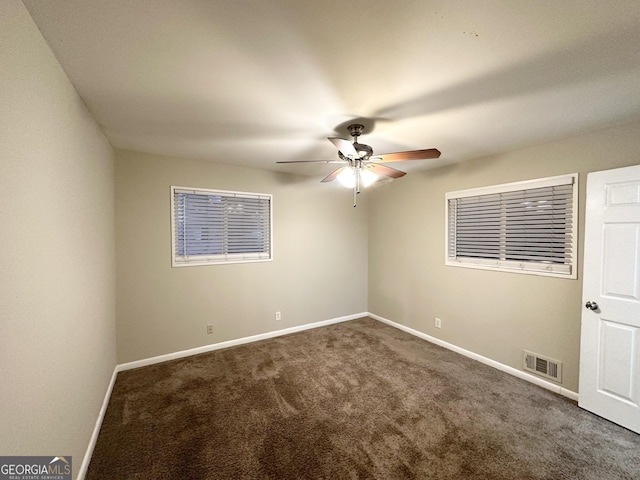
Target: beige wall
493, 314
319, 269
57, 275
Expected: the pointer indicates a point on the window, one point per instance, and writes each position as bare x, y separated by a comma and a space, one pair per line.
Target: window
526, 227
215, 226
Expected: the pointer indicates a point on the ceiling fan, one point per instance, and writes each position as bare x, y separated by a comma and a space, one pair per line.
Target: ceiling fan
362, 168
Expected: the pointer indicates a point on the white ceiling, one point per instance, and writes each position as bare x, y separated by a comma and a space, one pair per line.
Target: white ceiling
250, 82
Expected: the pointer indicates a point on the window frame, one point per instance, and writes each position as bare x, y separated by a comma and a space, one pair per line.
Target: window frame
517, 266
219, 259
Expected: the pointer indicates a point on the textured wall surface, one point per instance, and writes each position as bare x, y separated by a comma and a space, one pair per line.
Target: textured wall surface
57, 261
319, 269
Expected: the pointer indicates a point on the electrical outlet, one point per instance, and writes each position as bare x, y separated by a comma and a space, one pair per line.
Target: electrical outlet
278, 316
209, 328
438, 323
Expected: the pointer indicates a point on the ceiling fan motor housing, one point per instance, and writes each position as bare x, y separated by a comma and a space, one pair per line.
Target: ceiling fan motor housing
364, 151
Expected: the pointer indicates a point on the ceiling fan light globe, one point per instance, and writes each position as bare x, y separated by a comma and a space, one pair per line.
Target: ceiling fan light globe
368, 177
347, 177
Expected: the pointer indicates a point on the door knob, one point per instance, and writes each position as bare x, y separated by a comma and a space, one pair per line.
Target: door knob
591, 305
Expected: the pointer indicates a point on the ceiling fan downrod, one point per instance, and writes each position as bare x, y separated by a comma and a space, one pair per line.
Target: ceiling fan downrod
364, 151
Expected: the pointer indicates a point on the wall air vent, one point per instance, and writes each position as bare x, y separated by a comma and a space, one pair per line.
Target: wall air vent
543, 366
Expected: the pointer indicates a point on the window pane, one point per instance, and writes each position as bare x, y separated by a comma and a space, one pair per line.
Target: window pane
220, 226
531, 228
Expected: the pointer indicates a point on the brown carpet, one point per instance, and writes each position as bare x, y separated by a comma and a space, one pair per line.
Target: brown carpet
353, 400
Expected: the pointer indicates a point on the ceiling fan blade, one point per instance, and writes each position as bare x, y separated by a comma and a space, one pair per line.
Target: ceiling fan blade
332, 176
427, 154
312, 161
384, 170
345, 146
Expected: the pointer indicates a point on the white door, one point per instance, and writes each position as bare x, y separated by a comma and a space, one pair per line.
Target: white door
610, 335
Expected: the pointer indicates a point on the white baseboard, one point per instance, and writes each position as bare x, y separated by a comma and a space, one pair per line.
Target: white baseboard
96, 429
233, 343
487, 361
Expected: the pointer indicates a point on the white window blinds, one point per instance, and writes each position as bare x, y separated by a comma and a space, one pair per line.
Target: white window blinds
525, 226
215, 226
